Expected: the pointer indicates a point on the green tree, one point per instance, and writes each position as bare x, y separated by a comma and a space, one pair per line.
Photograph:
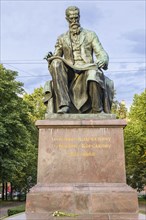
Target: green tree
16, 133
135, 143
36, 106
119, 109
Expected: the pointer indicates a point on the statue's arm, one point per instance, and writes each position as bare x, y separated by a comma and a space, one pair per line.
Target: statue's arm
58, 52
58, 48
101, 55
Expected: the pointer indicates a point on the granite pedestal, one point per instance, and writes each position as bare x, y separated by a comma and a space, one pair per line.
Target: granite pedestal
81, 170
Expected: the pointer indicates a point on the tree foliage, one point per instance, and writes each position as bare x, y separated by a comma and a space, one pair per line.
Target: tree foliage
119, 109
135, 143
17, 147
36, 106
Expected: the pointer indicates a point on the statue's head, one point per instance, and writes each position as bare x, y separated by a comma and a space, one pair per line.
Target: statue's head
73, 16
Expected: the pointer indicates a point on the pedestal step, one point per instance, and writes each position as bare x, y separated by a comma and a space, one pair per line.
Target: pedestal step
88, 201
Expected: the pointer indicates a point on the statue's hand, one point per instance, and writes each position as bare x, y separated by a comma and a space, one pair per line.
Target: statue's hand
102, 64
49, 54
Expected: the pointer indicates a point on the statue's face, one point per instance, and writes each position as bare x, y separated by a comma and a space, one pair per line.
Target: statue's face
73, 19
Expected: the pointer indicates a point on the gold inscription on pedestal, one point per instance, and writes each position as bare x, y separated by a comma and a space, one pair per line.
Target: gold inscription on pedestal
82, 139
88, 144
85, 146
82, 154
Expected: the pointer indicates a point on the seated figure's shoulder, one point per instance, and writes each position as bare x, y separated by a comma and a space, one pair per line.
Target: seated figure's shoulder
60, 39
62, 35
90, 33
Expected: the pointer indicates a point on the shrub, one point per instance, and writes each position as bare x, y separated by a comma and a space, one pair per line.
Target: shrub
16, 210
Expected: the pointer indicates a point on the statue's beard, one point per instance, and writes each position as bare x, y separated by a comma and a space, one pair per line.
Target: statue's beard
74, 28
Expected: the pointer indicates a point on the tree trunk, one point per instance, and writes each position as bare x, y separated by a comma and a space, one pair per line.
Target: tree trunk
11, 193
3, 191
6, 189
19, 196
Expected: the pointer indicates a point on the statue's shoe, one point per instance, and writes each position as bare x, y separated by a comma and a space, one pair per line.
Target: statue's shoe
63, 110
97, 112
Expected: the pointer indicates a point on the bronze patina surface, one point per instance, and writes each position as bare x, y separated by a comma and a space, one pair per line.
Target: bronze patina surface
78, 83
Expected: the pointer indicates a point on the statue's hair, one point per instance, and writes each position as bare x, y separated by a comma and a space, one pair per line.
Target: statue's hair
72, 8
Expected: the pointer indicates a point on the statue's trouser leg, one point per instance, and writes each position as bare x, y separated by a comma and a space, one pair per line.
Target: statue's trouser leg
60, 82
96, 95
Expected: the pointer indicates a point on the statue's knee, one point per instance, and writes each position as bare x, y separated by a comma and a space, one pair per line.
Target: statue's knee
56, 63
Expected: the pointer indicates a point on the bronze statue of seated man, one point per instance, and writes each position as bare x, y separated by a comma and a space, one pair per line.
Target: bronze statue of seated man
78, 83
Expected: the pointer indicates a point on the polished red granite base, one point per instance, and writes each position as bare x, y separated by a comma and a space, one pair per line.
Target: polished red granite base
81, 170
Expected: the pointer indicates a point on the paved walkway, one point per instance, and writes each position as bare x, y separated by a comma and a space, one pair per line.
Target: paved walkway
17, 217
23, 217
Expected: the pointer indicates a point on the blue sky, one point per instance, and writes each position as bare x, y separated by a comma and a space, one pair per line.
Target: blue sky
29, 30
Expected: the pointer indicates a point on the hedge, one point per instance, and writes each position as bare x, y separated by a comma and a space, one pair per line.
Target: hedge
16, 210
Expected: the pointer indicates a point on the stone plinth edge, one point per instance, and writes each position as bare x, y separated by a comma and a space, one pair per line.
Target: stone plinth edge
83, 187
88, 122
100, 116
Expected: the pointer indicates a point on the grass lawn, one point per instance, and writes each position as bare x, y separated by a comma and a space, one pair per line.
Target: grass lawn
9, 203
